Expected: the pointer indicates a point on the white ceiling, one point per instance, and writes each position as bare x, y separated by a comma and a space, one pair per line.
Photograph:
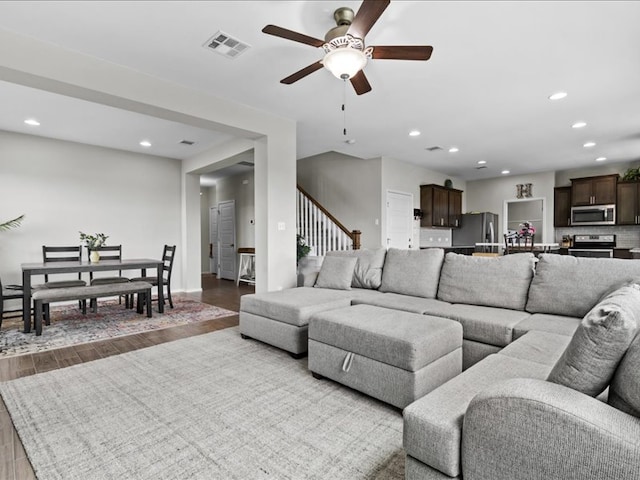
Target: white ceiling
484, 90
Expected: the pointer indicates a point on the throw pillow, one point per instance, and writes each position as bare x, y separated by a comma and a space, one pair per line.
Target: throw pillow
624, 391
600, 342
368, 272
336, 273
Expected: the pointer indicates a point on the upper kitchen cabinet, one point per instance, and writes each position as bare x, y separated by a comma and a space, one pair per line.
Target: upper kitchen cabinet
628, 207
594, 190
441, 206
562, 206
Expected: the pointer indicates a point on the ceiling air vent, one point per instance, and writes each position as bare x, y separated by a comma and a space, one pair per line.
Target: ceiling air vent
435, 148
187, 142
481, 167
246, 164
226, 45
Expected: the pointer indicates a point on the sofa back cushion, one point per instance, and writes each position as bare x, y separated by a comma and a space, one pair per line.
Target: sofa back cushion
571, 286
601, 340
489, 281
336, 273
368, 271
412, 272
624, 391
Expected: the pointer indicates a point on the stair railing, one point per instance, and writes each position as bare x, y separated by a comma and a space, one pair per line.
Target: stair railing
322, 231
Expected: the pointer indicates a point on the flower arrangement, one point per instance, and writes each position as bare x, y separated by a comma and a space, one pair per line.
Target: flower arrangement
527, 229
93, 241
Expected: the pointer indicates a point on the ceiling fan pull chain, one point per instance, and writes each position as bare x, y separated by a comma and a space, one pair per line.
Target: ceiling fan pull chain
344, 107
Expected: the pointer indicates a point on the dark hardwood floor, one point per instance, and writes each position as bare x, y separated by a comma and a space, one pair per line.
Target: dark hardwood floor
14, 464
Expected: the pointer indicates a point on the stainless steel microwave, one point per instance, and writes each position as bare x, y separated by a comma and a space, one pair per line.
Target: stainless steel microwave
593, 215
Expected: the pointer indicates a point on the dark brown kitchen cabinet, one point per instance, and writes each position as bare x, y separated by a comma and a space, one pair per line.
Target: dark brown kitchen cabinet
441, 207
599, 190
628, 207
562, 206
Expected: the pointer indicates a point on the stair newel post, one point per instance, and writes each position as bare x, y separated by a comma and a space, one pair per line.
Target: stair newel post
355, 235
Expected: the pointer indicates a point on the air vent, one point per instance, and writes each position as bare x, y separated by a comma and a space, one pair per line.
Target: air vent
435, 148
246, 164
226, 45
187, 142
481, 167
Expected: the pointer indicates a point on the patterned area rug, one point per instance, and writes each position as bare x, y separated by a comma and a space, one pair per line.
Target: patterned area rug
70, 327
212, 406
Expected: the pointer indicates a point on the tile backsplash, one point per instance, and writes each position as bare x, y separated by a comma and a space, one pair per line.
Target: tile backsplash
627, 236
435, 237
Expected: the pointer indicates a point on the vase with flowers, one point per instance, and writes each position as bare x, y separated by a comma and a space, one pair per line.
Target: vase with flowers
93, 243
527, 229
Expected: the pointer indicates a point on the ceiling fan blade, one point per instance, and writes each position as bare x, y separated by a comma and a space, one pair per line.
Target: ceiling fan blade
291, 35
360, 83
412, 52
301, 73
367, 16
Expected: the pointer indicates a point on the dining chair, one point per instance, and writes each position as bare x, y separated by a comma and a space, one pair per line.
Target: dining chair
9, 292
62, 254
111, 252
518, 243
168, 254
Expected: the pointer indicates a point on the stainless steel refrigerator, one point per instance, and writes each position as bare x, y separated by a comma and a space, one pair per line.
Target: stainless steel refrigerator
481, 227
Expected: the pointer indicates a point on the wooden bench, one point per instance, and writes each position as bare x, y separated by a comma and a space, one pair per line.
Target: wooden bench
44, 296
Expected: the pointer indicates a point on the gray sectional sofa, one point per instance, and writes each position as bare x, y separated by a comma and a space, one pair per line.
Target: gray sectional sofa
519, 408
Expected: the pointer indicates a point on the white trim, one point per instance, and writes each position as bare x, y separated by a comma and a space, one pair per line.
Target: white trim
505, 211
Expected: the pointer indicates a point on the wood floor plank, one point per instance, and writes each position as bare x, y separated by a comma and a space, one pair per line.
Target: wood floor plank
23, 470
7, 464
45, 361
88, 355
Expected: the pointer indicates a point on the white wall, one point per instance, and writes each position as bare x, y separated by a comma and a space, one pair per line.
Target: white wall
206, 194
65, 187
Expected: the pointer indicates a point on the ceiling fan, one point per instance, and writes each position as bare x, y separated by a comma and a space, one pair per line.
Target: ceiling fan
345, 52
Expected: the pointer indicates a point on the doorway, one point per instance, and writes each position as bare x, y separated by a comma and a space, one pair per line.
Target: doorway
399, 219
530, 210
213, 240
227, 240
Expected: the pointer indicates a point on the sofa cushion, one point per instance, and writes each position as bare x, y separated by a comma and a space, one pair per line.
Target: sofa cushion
412, 272
571, 286
433, 424
544, 322
368, 271
294, 305
404, 303
490, 325
624, 392
336, 273
489, 281
600, 342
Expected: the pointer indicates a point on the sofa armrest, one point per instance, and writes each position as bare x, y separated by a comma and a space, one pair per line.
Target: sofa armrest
535, 430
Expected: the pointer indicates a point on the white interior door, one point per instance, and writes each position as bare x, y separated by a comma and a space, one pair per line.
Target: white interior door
213, 240
399, 219
227, 240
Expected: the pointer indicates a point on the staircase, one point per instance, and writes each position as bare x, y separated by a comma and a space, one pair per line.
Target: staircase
322, 231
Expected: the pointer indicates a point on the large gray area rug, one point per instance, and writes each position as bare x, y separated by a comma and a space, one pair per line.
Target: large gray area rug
212, 406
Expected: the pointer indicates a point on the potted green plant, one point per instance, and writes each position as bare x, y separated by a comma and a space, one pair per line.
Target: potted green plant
632, 174
302, 248
9, 224
93, 242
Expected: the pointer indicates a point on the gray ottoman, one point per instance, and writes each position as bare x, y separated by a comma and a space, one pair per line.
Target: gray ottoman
394, 356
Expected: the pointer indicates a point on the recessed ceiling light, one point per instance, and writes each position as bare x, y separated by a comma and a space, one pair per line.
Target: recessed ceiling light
601, 159
557, 96
589, 144
32, 122
145, 143
579, 125
454, 150
414, 133
505, 172
482, 162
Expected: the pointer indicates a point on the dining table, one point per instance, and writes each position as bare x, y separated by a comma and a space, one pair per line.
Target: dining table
31, 269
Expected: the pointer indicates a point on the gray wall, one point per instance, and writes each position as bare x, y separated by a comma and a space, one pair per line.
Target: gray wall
65, 187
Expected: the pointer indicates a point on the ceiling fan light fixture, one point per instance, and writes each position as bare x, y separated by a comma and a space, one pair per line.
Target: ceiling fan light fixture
344, 62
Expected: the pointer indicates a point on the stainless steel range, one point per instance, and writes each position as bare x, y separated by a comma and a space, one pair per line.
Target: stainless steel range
593, 246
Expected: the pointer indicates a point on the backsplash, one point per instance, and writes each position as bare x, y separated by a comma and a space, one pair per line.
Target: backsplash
435, 237
627, 236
